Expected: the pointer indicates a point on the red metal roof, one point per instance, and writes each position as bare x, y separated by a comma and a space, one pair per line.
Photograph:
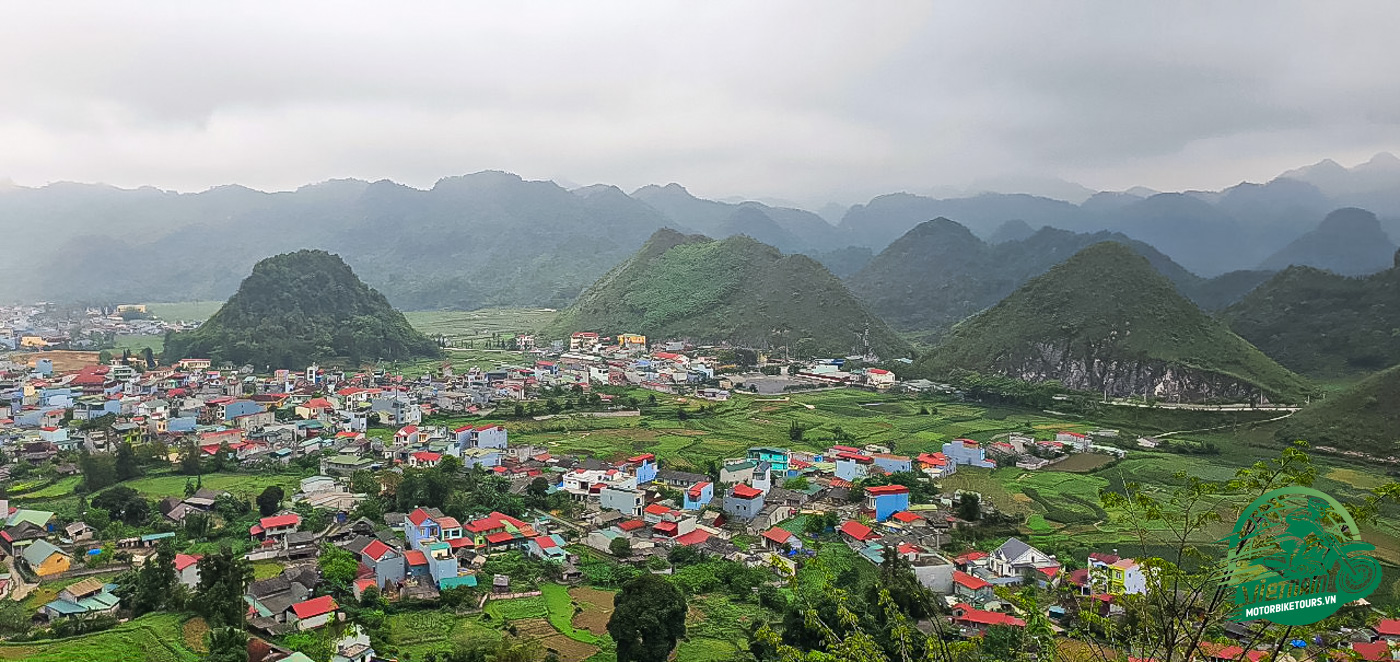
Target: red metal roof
290, 519
778, 535
631, 525
856, 530
745, 492
545, 542
906, 516
693, 538
416, 557
183, 561
376, 550
881, 490
499, 537
418, 516
315, 607
968, 581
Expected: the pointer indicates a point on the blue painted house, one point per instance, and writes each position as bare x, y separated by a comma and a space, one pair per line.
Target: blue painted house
886, 500
698, 496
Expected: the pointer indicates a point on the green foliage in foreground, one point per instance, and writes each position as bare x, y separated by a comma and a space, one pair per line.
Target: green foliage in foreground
300, 308
1107, 304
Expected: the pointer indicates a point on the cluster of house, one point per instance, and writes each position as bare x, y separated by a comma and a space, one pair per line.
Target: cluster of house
41, 327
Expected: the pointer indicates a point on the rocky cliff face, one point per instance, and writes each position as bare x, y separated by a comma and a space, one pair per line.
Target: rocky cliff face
1121, 377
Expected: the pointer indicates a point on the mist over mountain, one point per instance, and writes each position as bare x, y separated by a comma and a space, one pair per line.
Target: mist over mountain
786, 228
495, 239
1349, 242
940, 273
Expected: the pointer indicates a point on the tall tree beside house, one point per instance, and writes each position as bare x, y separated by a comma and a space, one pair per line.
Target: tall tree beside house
223, 579
302, 308
648, 618
127, 465
152, 586
270, 500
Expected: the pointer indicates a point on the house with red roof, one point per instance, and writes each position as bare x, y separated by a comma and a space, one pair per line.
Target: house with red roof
547, 548
386, 562
879, 378
886, 500
1389, 629
744, 502
408, 434
187, 569
780, 539
973, 588
499, 532
935, 465
855, 531
976, 621
908, 519
423, 459
275, 528
313, 613
698, 496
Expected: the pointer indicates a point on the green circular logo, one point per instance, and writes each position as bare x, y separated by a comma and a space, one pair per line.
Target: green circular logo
1296, 557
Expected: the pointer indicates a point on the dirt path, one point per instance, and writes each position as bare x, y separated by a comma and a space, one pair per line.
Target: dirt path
21, 590
1221, 427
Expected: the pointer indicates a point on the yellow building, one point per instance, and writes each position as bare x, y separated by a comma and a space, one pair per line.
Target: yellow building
631, 340
132, 308
35, 342
45, 559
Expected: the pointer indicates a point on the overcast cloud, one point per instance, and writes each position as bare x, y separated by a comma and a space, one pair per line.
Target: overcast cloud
799, 100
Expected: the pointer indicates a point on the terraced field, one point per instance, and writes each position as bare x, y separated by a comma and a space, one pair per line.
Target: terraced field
153, 638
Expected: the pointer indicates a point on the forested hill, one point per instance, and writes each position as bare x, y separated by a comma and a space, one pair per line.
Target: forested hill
940, 273
1365, 417
1106, 321
736, 290
297, 309
1323, 324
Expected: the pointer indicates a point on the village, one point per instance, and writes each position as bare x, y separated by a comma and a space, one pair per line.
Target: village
347, 433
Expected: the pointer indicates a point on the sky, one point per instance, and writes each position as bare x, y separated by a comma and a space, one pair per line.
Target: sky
800, 101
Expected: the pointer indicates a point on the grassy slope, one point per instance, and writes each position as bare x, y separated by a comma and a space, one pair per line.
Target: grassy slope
1364, 417
735, 290
1108, 302
1322, 324
152, 638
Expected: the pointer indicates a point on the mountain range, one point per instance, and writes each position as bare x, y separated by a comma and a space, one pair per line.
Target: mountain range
940, 273
494, 239
1106, 321
735, 290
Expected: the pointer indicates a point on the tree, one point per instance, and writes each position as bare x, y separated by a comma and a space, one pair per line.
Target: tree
227, 644
104, 357
648, 618
970, 506
127, 466
190, 462
98, 470
153, 584
223, 579
14, 618
620, 547
798, 483
364, 482
150, 356
795, 431
270, 501
338, 566
123, 504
